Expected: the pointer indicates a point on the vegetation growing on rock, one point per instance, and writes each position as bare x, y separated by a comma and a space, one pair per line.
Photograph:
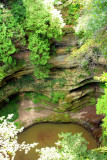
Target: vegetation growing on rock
34, 22
34, 25
102, 106
91, 29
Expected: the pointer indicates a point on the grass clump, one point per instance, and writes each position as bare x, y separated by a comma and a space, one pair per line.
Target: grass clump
11, 108
38, 98
57, 96
93, 101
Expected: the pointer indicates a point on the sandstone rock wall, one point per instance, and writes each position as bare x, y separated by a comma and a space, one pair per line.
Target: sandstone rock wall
66, 76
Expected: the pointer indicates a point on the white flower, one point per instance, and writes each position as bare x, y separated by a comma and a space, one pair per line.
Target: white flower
1, 118
58, 3
1, 6
55, 16
8, 140
10, 116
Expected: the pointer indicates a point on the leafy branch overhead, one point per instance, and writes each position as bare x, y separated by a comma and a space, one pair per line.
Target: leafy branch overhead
102, 105
11, 33
39, 21
91, 29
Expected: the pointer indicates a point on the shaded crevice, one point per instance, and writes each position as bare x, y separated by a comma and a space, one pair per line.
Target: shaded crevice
15, 75
88, 85
85, 80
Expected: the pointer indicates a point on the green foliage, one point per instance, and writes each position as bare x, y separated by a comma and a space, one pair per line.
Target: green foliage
61, 81
102, 109
37, 21
103, 77
84, 63
28, 95
10, 108
101, 149
39, 98
91, 29
57, 96
70, 11
94, 17
25, 80
73, 13
40, 49
18, 124
15, 85
70, 147
102, 105
42, 71
93, 100
1, 74
18, 11
41, 28
72, 144
10, 34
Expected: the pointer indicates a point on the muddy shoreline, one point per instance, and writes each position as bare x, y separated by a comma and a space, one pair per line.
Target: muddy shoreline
86, 117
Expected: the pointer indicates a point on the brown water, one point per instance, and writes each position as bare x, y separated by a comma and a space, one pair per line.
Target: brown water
46, 134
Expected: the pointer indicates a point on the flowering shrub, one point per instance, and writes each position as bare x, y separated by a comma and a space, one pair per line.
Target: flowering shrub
8, 139
56, 20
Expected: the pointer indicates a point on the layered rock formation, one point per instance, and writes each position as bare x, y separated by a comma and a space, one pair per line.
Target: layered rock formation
69, 77
66, 75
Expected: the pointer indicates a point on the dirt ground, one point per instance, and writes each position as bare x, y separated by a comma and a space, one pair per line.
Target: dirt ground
29, 112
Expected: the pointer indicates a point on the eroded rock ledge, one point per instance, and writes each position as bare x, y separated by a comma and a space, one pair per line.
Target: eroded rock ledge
69, 77
30, 114
66, 76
